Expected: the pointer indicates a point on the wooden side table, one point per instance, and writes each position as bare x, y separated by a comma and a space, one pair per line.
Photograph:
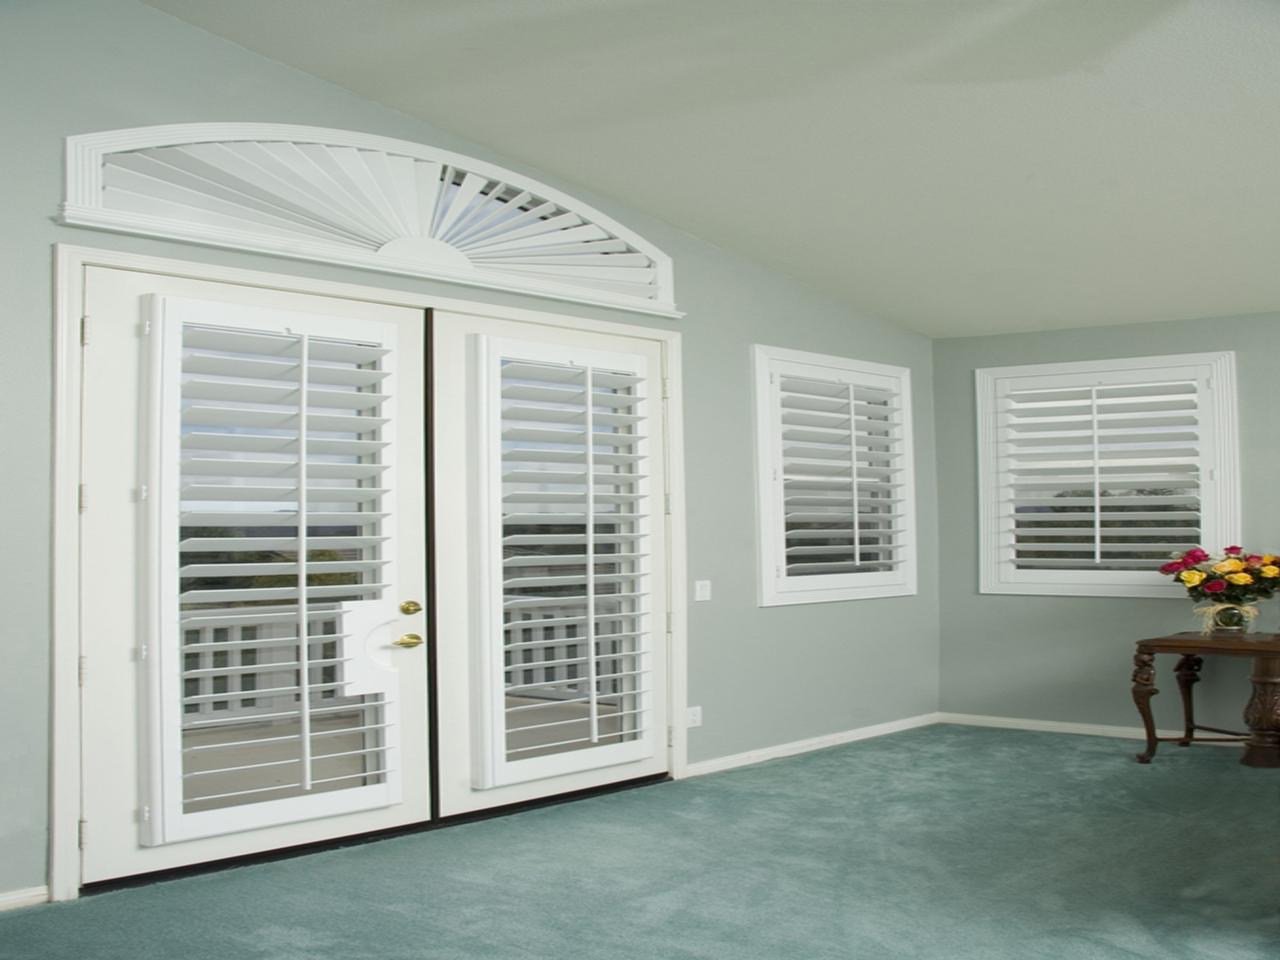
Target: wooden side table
1261, 714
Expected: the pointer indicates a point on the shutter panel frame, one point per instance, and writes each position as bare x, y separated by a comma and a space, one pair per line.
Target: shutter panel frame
1164, 423
834, 438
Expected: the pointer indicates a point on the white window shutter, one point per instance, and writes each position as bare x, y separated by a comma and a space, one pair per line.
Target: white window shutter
269, 527
836, 490
569, 646
1094, 473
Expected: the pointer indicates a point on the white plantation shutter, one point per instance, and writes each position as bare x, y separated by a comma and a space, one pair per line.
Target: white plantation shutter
1094, 473
361, 200
272, 542
569, 537
836, 486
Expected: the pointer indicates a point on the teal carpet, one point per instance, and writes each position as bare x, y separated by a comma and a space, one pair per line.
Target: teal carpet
944, 843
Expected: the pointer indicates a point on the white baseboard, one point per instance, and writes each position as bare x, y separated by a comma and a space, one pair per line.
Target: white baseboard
13, 899
923, 720
804, 746
1056, 726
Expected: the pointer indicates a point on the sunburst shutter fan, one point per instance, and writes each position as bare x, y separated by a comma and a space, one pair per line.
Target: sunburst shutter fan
361, 200
1098, 472
836, 482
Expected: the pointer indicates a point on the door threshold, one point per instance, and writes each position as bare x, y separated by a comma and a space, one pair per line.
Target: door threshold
358, 839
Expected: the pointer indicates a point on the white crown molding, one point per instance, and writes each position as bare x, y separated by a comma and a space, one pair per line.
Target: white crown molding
361, 200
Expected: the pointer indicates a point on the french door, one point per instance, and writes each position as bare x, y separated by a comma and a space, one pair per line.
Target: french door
552, 538
254, 568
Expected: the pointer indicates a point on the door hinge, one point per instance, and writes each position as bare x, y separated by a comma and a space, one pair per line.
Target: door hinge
670, 627
671, 738
81, 498
81, 829
666, 504
666, 388
84, 330
82, 668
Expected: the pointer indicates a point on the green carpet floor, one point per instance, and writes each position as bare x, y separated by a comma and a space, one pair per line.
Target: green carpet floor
945, 843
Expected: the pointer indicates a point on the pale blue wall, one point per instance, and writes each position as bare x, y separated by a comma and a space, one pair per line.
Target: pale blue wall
1069, 658
762, 676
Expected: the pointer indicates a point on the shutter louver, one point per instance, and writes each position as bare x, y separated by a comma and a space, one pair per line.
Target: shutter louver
574, 521
1101, 477
280, 529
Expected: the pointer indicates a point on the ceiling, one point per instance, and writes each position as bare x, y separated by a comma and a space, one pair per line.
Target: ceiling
957, 166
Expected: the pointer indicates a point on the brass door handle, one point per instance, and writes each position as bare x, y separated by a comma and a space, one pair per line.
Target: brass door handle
410, 607
408, 641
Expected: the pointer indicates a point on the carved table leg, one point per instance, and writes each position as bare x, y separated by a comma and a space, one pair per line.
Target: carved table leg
1188, 673
1144, 675
1262, 715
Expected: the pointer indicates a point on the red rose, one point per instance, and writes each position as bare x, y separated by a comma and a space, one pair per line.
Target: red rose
1231, 551
1214, 586
1195, 555
1173, 566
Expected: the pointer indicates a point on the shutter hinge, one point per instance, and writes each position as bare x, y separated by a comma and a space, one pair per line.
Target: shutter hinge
144, 814
146, 327
81, 829
143, 492
142, 653
82, 667
84, 330
670, 620
671, 736
666, 504
82, 498
666, 388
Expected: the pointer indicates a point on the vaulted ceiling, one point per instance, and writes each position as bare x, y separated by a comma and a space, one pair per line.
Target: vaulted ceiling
958, 166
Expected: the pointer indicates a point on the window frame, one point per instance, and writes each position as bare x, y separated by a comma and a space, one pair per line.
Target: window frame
780, 590
1219, 470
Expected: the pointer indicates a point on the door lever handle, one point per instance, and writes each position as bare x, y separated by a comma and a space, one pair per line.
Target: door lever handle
410, 607
409, 641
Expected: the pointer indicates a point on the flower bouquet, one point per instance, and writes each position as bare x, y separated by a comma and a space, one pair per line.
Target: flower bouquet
1231, 584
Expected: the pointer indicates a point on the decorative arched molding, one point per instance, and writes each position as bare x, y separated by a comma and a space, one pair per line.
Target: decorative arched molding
363, 201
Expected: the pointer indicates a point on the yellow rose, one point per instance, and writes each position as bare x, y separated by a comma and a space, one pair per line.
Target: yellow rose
1240, 578
1230, 565
1268, 558
1270, 570
1193, 577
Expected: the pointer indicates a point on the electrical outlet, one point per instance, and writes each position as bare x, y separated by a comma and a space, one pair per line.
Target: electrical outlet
694, 718
701, 590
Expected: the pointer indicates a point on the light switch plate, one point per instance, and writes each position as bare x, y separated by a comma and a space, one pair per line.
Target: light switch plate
701, 590
695, 717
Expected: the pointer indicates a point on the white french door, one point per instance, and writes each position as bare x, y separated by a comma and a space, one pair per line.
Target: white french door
254, 569
551, 529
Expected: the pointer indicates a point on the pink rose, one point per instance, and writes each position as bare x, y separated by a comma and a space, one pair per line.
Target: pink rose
1214, 586
1253, 560
1173, 566
1231, 551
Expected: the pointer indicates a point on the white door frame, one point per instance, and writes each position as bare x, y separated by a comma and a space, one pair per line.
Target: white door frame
70, 263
